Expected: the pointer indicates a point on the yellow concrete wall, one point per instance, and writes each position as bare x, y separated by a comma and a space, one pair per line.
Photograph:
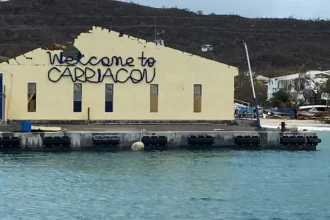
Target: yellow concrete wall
176, 74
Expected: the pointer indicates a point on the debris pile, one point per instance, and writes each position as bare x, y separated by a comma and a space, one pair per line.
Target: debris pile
323, 117
55, 47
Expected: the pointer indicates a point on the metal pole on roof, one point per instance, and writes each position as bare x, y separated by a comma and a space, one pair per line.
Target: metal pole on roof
252, 85
155, 29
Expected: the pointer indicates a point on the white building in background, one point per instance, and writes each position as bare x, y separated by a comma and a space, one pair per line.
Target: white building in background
298, 83
261, 78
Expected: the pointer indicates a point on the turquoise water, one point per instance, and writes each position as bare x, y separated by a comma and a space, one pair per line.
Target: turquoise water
217, 184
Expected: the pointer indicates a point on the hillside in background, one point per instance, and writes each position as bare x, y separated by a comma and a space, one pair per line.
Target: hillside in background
276, 46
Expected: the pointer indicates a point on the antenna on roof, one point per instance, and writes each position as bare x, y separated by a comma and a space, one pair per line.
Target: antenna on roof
158, 35
155, 29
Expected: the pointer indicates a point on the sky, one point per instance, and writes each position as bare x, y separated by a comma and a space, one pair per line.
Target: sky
303, 9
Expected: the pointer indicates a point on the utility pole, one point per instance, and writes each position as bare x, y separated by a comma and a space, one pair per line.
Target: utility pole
252, 85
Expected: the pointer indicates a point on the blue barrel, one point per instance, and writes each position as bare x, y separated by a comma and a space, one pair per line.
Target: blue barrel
26, 126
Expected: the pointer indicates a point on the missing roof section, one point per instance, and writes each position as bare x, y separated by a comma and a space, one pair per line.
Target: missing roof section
72, 51
55, 47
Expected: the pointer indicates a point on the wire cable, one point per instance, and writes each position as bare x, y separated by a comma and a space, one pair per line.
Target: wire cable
204, 28
193, 17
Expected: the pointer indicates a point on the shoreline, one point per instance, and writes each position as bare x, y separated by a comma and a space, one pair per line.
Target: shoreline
301, 125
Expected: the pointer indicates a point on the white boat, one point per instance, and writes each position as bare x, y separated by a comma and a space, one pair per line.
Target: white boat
313, 108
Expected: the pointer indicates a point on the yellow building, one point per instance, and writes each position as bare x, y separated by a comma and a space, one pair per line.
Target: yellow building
116, 77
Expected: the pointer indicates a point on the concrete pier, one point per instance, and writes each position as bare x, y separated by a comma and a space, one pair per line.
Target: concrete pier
122, 140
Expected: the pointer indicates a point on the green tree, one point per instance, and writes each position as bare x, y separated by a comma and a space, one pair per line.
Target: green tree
281, 99
326, 86
200, 12
243, 90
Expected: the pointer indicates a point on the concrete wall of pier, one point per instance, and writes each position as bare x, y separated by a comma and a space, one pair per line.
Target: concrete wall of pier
175, 140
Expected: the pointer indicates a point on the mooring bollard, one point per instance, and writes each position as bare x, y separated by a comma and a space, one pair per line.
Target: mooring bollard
283, 127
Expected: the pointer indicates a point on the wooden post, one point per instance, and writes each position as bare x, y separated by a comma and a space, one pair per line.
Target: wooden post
88, 114
283, 127
3, 105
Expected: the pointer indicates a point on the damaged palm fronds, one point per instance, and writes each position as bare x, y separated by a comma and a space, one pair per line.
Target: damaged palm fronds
55, 46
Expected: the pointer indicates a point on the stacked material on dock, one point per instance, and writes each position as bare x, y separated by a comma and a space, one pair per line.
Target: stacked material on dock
45, 128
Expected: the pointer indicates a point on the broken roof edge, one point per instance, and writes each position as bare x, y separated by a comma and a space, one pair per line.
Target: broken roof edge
159, 46
120, 35
19, 56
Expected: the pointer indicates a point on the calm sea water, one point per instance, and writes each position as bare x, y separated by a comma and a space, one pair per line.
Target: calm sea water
217, 184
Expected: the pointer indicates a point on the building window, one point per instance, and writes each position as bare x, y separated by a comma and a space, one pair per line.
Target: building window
153, 98
32, 97
197, 98
77, 97
108, 97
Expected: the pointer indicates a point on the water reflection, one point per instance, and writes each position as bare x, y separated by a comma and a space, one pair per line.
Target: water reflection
212, 184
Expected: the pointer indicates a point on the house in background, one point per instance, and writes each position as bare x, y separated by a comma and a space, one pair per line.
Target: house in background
261, 78
302, 86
